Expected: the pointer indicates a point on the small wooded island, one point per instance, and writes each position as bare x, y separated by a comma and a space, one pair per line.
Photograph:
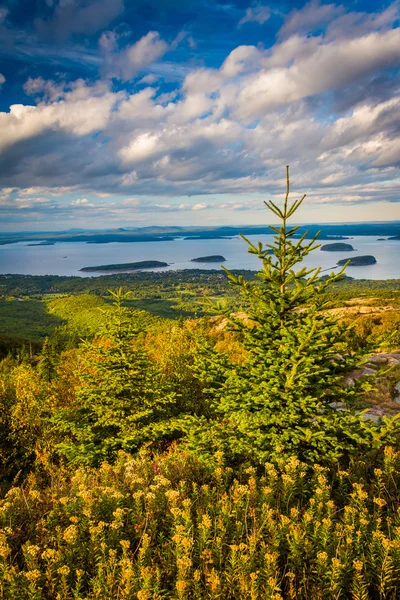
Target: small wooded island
358, 261
208, 237
337, 247
42, 244
144, 264
209, 259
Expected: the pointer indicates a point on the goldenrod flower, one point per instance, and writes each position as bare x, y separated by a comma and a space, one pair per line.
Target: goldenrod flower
32, 575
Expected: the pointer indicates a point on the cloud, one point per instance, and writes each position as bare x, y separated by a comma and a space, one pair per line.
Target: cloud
366, 121
353, 24
222, 131
312, 16
326, 67
145, 146
82, 109
149, 79
79, 17
132, 59
241, 59
255, 14
48, 90
2, 79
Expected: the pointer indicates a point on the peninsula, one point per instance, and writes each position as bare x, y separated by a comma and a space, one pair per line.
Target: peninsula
144, 264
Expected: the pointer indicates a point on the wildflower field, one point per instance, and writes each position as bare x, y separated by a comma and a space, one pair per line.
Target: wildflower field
173, 528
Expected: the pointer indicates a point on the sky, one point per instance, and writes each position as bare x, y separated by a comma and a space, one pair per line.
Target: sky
121, 113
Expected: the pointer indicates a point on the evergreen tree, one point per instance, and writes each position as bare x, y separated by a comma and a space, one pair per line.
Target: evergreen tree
46, 364
283, 399
121, 402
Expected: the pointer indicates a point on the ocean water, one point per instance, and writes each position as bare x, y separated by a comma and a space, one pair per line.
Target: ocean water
68, 257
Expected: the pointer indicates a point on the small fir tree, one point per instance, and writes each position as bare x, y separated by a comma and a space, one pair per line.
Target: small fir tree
121, 402
46, 364
283, 399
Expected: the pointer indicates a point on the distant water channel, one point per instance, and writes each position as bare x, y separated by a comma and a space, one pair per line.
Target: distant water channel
67, 258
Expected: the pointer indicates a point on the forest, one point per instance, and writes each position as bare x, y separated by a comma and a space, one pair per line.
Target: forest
201, 434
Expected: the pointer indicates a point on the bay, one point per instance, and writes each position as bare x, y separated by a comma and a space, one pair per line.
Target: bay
66, 258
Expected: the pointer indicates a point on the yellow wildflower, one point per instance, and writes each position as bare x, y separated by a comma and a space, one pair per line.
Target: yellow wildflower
32, 575
181, 586
358, 565
380, 502
70, 535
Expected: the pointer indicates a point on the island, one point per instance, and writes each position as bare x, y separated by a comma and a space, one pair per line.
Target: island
394, 237
209, 259
337, 247
144, 264
208, 237
358, 261
42, 244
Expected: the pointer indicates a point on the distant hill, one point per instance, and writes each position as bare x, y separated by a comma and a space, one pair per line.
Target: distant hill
156, 233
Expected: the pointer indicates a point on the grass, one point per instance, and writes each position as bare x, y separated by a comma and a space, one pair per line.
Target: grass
160, 308
27, 319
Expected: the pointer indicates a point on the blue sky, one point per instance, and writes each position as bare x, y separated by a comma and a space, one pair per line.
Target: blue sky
120, 112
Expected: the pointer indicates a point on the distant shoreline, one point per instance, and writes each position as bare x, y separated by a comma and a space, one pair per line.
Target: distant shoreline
328, 232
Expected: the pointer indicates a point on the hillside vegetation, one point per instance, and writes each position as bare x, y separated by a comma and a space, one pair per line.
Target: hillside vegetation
223, 456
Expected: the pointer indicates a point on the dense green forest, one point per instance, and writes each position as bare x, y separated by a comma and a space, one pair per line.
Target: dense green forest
201, 434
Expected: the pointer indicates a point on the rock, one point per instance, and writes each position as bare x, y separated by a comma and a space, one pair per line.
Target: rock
361, 372
367, 371
393, 362
372, 415
338, 358
378, 359
338, 406
385, 357
397, 389
353, 376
